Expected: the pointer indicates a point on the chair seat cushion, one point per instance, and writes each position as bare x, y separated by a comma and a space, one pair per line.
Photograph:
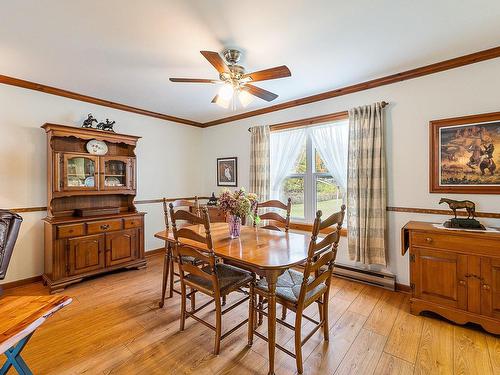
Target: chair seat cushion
230, 278
288, 286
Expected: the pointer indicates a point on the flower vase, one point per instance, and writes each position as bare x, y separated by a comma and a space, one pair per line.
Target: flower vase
234, 226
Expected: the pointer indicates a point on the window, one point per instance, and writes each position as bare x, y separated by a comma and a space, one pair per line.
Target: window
310, 185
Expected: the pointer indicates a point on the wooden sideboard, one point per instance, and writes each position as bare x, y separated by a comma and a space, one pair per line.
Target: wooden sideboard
454, 273
92, 225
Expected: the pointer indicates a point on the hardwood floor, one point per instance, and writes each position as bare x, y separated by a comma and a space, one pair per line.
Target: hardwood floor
114, 326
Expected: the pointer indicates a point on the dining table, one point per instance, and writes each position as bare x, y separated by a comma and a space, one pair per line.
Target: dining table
267, 253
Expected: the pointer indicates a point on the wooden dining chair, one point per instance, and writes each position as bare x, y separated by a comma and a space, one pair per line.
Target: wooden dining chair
273, 215
213, 279
168, 263
297, 290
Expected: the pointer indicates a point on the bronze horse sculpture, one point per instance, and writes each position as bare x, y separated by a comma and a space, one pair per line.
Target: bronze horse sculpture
456, 205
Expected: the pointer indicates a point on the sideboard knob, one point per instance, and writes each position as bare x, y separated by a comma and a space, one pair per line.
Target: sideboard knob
461, 282
486, 287
428, 239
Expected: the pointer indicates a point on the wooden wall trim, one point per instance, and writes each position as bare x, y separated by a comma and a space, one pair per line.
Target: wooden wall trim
428, 211
431, 211
456, 62
90, 99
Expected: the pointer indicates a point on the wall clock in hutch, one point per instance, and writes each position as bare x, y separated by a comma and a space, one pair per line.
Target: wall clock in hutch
92, 225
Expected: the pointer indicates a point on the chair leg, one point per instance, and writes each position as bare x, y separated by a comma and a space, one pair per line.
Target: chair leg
320, 308
193, 299
183, 306
261, 306
218, 325
283, 313
298, 341
326, 330
166, 266
172, 271
251, 314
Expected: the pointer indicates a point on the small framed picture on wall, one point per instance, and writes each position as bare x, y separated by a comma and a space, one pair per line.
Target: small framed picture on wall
465, 154
227, 171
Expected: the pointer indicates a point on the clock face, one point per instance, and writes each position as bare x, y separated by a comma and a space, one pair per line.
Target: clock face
96, 147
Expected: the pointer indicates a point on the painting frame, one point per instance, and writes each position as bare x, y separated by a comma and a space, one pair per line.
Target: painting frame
232, 164
436, 131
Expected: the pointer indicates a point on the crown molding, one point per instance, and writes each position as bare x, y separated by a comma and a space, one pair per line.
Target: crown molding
90, 99
456, 62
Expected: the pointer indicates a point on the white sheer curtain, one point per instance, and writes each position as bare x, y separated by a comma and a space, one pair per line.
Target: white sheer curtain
332, 142
285, 149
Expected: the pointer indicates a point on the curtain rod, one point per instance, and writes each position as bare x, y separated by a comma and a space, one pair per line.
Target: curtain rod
313, 120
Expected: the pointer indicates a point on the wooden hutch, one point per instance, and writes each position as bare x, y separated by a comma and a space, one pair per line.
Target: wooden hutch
454, 273
92, 225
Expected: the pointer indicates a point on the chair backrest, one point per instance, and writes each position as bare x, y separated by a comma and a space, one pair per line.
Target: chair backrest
206, 257
273, 215
321, 255
10, 222
179, 203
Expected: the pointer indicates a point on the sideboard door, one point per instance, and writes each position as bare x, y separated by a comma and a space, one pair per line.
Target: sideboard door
85, 254
440, 277
121, 247
490, 287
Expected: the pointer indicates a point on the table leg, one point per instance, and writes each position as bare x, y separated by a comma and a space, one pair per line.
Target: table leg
166, 271
271, 279
15, 360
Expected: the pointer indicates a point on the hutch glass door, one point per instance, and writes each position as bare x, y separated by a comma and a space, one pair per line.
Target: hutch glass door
79, 172
116, 173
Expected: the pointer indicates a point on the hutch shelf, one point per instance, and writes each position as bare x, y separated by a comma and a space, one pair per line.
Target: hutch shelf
92, 225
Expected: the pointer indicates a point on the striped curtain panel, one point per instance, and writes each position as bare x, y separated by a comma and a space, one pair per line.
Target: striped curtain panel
366, 185
259, 162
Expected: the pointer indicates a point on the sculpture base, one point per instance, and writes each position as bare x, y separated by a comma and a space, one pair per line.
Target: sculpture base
464, 224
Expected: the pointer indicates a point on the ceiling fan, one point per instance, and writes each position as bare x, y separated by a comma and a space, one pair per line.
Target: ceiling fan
235, 80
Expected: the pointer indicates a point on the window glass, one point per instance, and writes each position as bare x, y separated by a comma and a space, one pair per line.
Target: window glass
293, 187
319, 164
301, 164
328, 196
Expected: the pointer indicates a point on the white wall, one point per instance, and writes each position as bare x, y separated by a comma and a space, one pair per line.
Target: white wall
160, 172
468, 90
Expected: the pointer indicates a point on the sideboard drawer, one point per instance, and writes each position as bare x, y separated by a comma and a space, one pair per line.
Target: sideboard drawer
452, 242
72, 230
103, 226
132, 222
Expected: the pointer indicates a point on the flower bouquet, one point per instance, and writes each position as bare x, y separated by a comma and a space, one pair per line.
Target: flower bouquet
237, 205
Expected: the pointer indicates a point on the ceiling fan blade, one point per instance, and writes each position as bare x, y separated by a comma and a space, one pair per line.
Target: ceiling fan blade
268, 96
271, 73
217, 61
193, 80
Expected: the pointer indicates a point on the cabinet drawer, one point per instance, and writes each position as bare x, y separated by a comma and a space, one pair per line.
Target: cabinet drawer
453, 242
104, 226
73, 230
132, 222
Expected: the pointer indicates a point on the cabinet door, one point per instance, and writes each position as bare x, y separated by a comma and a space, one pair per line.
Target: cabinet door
117, 173
121, 247
85, 254
490, 287
439, 277
79, 172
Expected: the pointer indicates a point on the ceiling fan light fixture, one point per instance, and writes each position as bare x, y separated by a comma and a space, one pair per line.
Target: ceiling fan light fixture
245, 98
226, 92
221, 102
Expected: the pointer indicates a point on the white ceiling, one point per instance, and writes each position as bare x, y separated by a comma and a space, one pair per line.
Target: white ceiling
125, 50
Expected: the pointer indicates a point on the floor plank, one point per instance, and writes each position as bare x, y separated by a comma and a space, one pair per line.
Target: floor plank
390, 365
494, 352
435, 354
471, 352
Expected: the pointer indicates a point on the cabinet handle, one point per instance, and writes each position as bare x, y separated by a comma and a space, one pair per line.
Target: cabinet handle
461, 282
105, 226
428, 239
486, 287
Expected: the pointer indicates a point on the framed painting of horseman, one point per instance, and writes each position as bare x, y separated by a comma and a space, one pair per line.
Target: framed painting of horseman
465, 154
